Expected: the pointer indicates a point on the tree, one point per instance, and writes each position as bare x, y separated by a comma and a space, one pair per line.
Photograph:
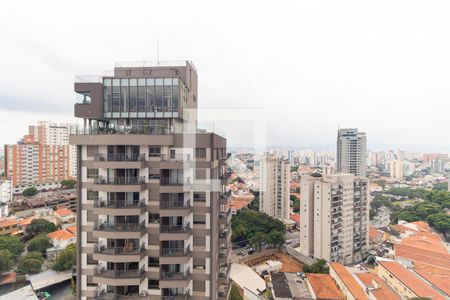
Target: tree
320, 266
68, 183
440, 221
258, 238
29, 192
235, 294
6, 260
276, 238
371, 260
38, 226
39, 243
66, 259
32, 263
12, 244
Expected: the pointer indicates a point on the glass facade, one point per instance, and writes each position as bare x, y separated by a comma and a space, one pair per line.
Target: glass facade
143, 97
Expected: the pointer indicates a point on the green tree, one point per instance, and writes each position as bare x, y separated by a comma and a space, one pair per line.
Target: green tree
32, 263
12, 244
38, 226
440, 221
320, 266
39, 243
258, 238
235, 294
68, 183
276, 238
66, 259
31, 191
6, 260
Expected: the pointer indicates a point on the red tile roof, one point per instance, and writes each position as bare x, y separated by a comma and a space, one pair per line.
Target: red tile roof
72, 229
437, 276
295, 217
354, 288
324, 287
64, 212
61, 235
414, 283
382, 291
8, 222
437, 259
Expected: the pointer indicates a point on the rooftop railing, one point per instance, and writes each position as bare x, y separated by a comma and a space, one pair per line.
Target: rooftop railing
121, 129
120, 157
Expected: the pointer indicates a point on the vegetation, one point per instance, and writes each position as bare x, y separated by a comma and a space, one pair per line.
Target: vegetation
68, 183
32, 263
296, 203
276, 238
39, 243
29, 192
320, 266
256, 227
39, 226
235, 294
442, 186
254, 205
12, 244
66, 259
6, 260
440, 221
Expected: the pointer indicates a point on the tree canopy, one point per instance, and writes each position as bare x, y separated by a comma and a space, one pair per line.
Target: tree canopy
320, 266
32, 263
68, 183
39, 243
31, 191
66, 259
6, 260
38, 226
11, 244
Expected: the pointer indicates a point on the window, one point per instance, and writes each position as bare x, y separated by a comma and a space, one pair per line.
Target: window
153, 261
154, 152
92, 173
200, 152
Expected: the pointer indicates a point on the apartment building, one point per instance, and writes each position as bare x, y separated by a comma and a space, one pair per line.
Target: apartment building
153, 211
334, 217
351, 152
396, 169
42, 158
5, 191
274, 194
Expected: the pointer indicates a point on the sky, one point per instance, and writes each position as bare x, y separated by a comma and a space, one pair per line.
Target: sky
380, 66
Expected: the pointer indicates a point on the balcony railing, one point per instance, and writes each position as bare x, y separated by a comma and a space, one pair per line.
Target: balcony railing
175, 228
120, 226
119, 203
177, 297
121, 129
121, 273
168, 204
224, 233
173, 181
175, 252
119, 180
176, 157
120, 157
125, 250
165, 275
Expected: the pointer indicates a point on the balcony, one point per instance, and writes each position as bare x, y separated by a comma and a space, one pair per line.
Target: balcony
119, 207
225, 217
119, 230
120, 157
169, 279
119, 184
127, 253
112, 129
224, 235
119, 160
177, 297
174, 232
169, 208
119, 277
224, 274
173, 256
176, 158
225, 197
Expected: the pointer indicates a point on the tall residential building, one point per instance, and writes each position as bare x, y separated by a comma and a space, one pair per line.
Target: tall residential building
153, 210
275, 176
438, 166
40, 165
351, 152
396, 169
334, 217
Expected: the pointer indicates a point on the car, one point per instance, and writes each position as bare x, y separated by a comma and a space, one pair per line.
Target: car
301, 274
251, 251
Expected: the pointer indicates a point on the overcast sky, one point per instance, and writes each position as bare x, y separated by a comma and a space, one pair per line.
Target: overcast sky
381, 66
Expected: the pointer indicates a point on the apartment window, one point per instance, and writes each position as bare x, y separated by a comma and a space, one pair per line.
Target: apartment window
92, 195
153, 261
153, 284
92, 173
154, 152
200, 152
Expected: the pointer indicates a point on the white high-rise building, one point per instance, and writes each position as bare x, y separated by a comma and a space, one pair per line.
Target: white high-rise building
351, 152
396, 169
274, 189
334, 217
5, 191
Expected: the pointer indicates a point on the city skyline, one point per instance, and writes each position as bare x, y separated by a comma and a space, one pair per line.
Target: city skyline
343, 68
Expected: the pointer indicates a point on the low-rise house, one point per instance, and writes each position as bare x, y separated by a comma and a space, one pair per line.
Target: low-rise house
351, 289
9, 226
65, 216
405, 283
60, 239
247, 279
376, 287
323, 287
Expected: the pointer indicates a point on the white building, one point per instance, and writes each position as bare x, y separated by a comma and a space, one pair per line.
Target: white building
5, 191
396, 169
351, 152
274, 188
334, 217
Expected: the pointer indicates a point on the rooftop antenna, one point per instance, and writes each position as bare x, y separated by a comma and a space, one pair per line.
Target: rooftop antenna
157, 51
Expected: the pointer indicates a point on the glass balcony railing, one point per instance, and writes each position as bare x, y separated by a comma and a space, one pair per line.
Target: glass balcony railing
119, 203
120, 157
169, 275
121, 129
175, 228
174, 204
174, 252
119, 180
120, 226
121, 273
125, 250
